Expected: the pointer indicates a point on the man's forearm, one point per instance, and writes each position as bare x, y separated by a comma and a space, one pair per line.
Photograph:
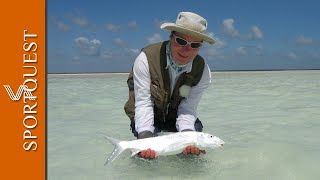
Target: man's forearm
145, 134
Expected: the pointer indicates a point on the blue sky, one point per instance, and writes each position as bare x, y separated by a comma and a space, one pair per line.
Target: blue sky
106, 36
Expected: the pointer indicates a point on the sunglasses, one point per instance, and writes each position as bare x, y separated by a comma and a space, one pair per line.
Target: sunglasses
183, 42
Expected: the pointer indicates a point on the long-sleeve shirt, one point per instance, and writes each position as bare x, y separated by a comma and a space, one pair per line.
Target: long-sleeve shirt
144, 114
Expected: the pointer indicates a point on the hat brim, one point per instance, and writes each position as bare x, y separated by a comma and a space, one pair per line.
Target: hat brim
183, 30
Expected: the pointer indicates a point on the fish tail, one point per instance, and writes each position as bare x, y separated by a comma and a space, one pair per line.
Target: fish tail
118, 149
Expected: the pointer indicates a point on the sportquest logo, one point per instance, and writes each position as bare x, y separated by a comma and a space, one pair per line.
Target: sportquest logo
22, 89
27, 91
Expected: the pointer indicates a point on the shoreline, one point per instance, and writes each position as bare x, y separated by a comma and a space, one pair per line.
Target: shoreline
97, 73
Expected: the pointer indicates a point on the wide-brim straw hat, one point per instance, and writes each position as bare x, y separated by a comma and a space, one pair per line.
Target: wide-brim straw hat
191, 24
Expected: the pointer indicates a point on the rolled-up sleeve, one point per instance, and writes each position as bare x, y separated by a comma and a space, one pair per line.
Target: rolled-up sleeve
144, 115
187, 110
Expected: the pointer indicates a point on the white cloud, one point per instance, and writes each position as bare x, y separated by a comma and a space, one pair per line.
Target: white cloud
94, 48
60, 25
75, 58
157, 23
259, 49
106, 54
113, 28
155, 38
119, 42
241, 50
78, 19
135, 51
292, 55
132, 52
210, 34
117, 28
88, 47
304, 40
256, 33
214, 53
229, 29
219, 43
118, 53
81, 21
132, 24
214, 50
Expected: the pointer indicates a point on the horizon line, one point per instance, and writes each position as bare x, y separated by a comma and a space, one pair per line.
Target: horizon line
211, 71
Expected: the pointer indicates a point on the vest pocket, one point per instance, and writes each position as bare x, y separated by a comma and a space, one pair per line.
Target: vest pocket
129, 106
158, 95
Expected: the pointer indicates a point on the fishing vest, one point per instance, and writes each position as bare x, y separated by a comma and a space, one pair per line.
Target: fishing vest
165, 103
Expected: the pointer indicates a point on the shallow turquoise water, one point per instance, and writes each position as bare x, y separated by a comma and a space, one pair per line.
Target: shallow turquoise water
270, 121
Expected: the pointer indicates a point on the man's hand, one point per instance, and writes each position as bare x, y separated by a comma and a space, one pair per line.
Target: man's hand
193, 150
148, 154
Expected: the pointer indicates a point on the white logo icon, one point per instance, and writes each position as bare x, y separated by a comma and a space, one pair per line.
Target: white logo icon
22, 89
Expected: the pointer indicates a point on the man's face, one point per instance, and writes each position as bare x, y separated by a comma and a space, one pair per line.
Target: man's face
184, 54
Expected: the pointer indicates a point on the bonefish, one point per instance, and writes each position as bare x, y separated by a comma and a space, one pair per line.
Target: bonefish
173, 143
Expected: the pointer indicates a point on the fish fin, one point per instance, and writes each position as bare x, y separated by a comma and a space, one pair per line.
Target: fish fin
164, 133
118, 149
135, 152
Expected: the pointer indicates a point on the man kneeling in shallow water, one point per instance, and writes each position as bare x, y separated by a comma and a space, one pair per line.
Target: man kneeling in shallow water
167, 82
